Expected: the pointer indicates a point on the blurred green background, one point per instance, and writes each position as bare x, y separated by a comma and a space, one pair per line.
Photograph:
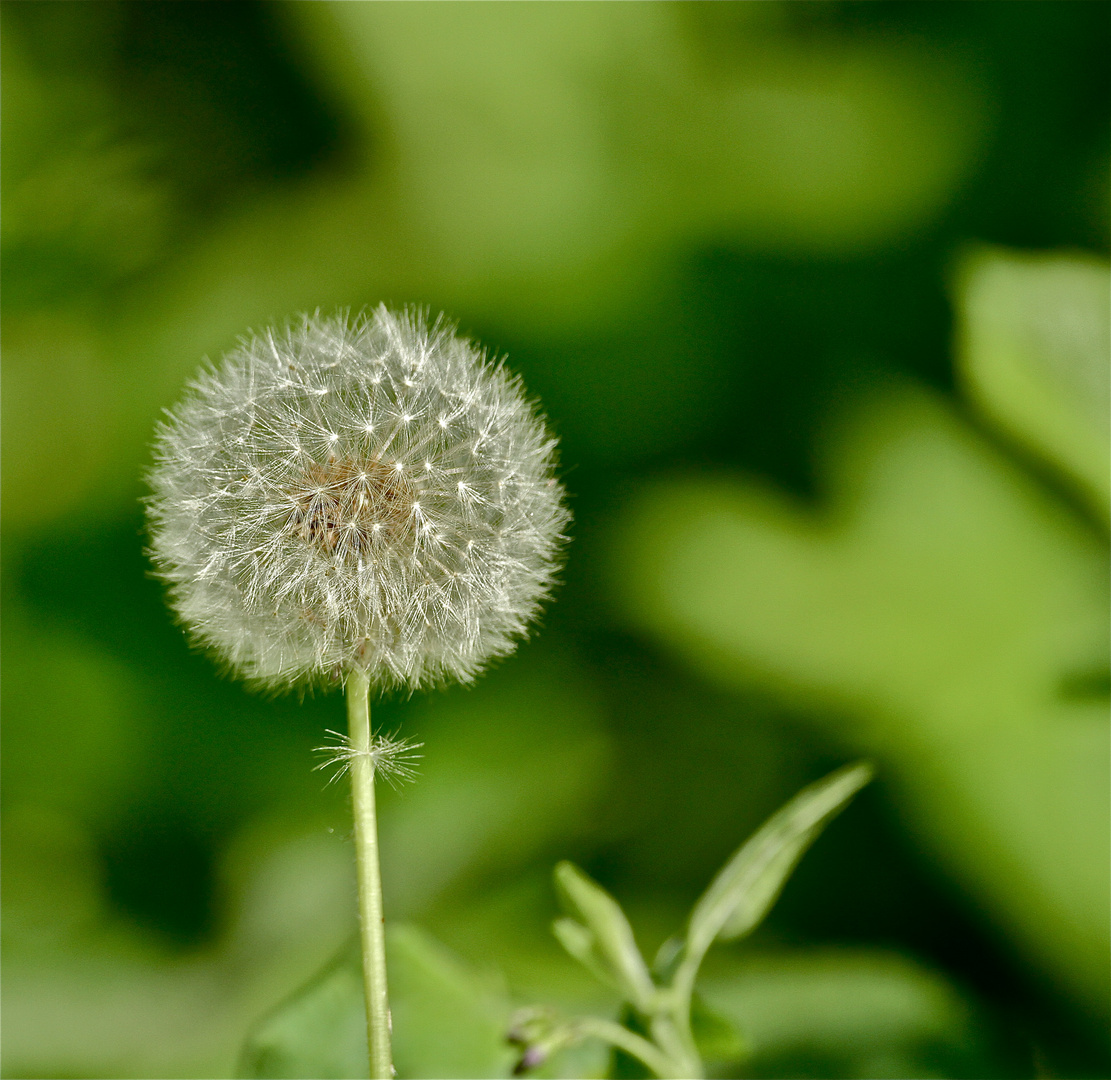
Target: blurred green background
815, 296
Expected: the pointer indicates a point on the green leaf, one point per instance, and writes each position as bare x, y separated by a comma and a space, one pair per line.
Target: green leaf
715, 1035
944, 613
447, 1020
1033, 349
611, 950
320, 1031
583, 946
848, 1013
745, 889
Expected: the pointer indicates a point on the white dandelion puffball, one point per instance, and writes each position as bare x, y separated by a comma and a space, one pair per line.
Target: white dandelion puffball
370, 494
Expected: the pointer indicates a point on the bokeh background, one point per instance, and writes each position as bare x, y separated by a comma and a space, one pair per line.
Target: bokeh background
815, 296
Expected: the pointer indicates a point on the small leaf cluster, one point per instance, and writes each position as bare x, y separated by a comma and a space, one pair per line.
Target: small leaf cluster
667, 1028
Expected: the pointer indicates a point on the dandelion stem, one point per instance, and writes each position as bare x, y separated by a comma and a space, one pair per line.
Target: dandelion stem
371, 917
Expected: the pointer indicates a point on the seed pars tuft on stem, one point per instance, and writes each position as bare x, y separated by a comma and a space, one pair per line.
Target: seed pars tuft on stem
394, 758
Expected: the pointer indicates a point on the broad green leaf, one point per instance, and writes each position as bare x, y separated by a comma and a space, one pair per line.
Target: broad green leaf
447, 1021
1033, 346
613, 943
523, 180
941, 611
847, 1013
745, 889
320, 1031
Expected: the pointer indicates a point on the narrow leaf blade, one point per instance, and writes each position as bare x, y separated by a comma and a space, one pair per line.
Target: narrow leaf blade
613, 941
745, 889
583, 946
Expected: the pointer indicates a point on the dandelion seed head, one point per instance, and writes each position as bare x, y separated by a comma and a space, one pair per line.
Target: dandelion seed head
294, 537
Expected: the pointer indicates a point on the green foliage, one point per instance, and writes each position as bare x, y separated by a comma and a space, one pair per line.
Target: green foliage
670, 1028
944, 599
1033, 348
706, 234
562, 153
716, 1037
747, 886
321, 1031
603, 939
447, 1022
845, 1013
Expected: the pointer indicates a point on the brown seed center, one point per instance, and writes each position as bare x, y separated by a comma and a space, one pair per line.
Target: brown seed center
345, 506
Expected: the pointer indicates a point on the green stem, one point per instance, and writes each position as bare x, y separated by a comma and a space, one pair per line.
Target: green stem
633, 1044
371, 918
671, 1032
681, 994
